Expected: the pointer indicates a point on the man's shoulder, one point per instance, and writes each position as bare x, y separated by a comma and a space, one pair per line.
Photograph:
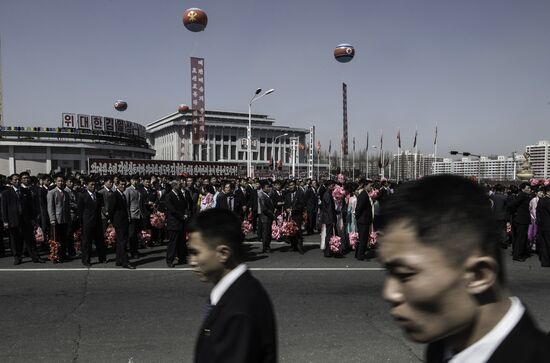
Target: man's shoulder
247, 289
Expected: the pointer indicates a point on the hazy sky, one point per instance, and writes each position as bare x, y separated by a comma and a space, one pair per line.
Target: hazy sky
480, 69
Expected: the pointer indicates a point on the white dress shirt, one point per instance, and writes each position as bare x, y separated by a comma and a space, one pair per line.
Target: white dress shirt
481, 351
225, 283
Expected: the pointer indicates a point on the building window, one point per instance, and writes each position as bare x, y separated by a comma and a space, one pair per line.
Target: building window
225, 137
269, 140
218, 137
233, 152
262, 140
233, 138
218, 150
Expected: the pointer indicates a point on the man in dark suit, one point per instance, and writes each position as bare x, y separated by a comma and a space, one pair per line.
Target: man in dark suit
312, 204
222, 200
176, 216
277, 197
500, 211
364, 215
241, 205
41, 204
18, 220
266, 215
543, 222
445, 279
120, 217
295, 205
328, 216
90, 205
519, 207
240, 322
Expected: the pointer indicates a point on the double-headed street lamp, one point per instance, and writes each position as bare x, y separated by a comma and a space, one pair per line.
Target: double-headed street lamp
249, 131
465, 153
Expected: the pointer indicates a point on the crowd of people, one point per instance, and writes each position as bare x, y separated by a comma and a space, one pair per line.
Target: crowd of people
65, 216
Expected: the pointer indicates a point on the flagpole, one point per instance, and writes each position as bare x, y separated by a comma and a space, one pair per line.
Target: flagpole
398, 164
367, 152
318, 162
415, 154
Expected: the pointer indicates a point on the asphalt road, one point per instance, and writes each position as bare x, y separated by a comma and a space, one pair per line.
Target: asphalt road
328, 310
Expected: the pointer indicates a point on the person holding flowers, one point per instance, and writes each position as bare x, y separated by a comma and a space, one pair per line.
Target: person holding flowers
364, 214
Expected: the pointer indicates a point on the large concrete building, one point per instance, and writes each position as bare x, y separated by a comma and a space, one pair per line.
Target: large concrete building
540, 158
225, 140
46, 149
499, 168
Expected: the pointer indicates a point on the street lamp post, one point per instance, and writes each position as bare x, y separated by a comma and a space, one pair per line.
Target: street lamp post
466, 153
249, 131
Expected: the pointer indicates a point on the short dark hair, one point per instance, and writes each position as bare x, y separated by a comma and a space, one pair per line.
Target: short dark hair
219, 226
24, 173
449, 212
10, 178
523, 185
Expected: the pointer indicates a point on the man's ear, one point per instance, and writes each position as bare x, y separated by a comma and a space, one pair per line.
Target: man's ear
224, 253
481, 274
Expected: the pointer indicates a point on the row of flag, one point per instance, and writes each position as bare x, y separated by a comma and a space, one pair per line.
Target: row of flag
381, 141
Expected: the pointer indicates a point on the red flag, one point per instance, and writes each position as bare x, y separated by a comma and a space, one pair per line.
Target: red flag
280, 164
318, 146
399, 138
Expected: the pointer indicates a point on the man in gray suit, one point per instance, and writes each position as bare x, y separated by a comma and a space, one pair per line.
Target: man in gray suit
265, 211
59, 212
136, 207
106, 193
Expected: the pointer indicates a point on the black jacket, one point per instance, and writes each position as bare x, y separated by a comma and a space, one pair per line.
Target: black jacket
328, 210
363, 209
519, 208
543, 214
525, 344
241, 327
17, 210
500, 206
119, 210
176, 211
311, 199
89, 210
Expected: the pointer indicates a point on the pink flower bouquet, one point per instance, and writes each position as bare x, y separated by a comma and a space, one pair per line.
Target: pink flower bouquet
110, 236
335, 243
353, 239
158, 220
246, 227
144, 236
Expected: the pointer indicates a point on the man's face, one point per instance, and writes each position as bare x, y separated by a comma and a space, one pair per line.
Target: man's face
189, 182
227, 188
527, 189
108, 184
60, 182
368, 187
121, 186
291, 187
15, 181
91, 187
146, 183
69, 183
277, 186
427, 294
25, 180
205, 260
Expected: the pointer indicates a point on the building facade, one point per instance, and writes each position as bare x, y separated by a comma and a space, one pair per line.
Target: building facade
499, 168
63, 149
540, 158
410, 166
225, 140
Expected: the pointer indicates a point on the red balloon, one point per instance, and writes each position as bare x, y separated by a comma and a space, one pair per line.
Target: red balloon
183, 108
195, 19
121, 105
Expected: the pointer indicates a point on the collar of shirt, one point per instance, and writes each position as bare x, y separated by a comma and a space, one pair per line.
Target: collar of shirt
482, 350
225, 283
91, 194
15, 189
